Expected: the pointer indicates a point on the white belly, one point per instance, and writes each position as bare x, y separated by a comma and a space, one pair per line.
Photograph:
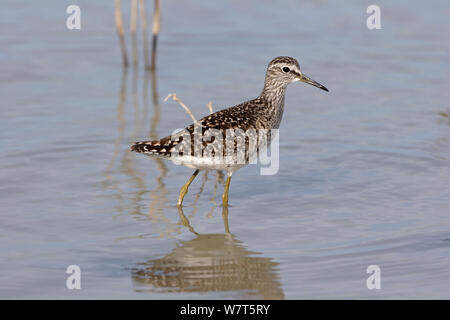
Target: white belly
208, 163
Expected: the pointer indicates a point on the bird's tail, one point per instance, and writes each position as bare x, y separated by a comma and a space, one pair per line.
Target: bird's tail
161, 148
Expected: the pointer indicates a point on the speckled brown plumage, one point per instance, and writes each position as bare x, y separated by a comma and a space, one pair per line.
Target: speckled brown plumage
264, 112
251, 114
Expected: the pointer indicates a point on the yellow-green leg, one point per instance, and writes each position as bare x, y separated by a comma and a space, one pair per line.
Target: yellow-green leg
225, 192
184, 189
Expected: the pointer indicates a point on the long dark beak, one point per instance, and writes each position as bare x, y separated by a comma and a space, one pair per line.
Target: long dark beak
310, 81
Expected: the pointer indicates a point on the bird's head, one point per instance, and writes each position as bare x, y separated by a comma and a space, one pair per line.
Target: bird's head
285, 70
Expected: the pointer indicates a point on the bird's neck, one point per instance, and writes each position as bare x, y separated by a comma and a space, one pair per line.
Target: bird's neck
273, 92
273, 96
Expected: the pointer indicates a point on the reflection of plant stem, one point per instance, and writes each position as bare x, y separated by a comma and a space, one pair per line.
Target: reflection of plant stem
145, 97
128, 159
158, 196
144, 32
120, 32
155, 99
120, 117
155, 31
137, 117
161, 188
133, 27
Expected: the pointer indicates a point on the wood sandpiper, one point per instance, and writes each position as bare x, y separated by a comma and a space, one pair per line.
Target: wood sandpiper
261, 114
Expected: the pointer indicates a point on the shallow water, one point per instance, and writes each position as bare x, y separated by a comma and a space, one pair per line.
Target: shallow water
364, 170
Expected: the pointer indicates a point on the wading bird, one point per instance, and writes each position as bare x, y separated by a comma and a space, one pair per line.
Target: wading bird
261, 114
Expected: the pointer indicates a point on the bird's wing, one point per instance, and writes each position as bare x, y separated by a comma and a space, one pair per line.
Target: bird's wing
242, 116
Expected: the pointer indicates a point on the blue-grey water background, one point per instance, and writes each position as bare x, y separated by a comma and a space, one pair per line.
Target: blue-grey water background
364, 170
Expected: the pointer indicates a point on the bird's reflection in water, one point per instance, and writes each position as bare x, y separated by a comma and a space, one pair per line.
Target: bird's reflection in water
210, 263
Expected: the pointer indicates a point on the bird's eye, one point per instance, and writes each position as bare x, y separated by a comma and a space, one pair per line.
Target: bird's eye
286, 69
